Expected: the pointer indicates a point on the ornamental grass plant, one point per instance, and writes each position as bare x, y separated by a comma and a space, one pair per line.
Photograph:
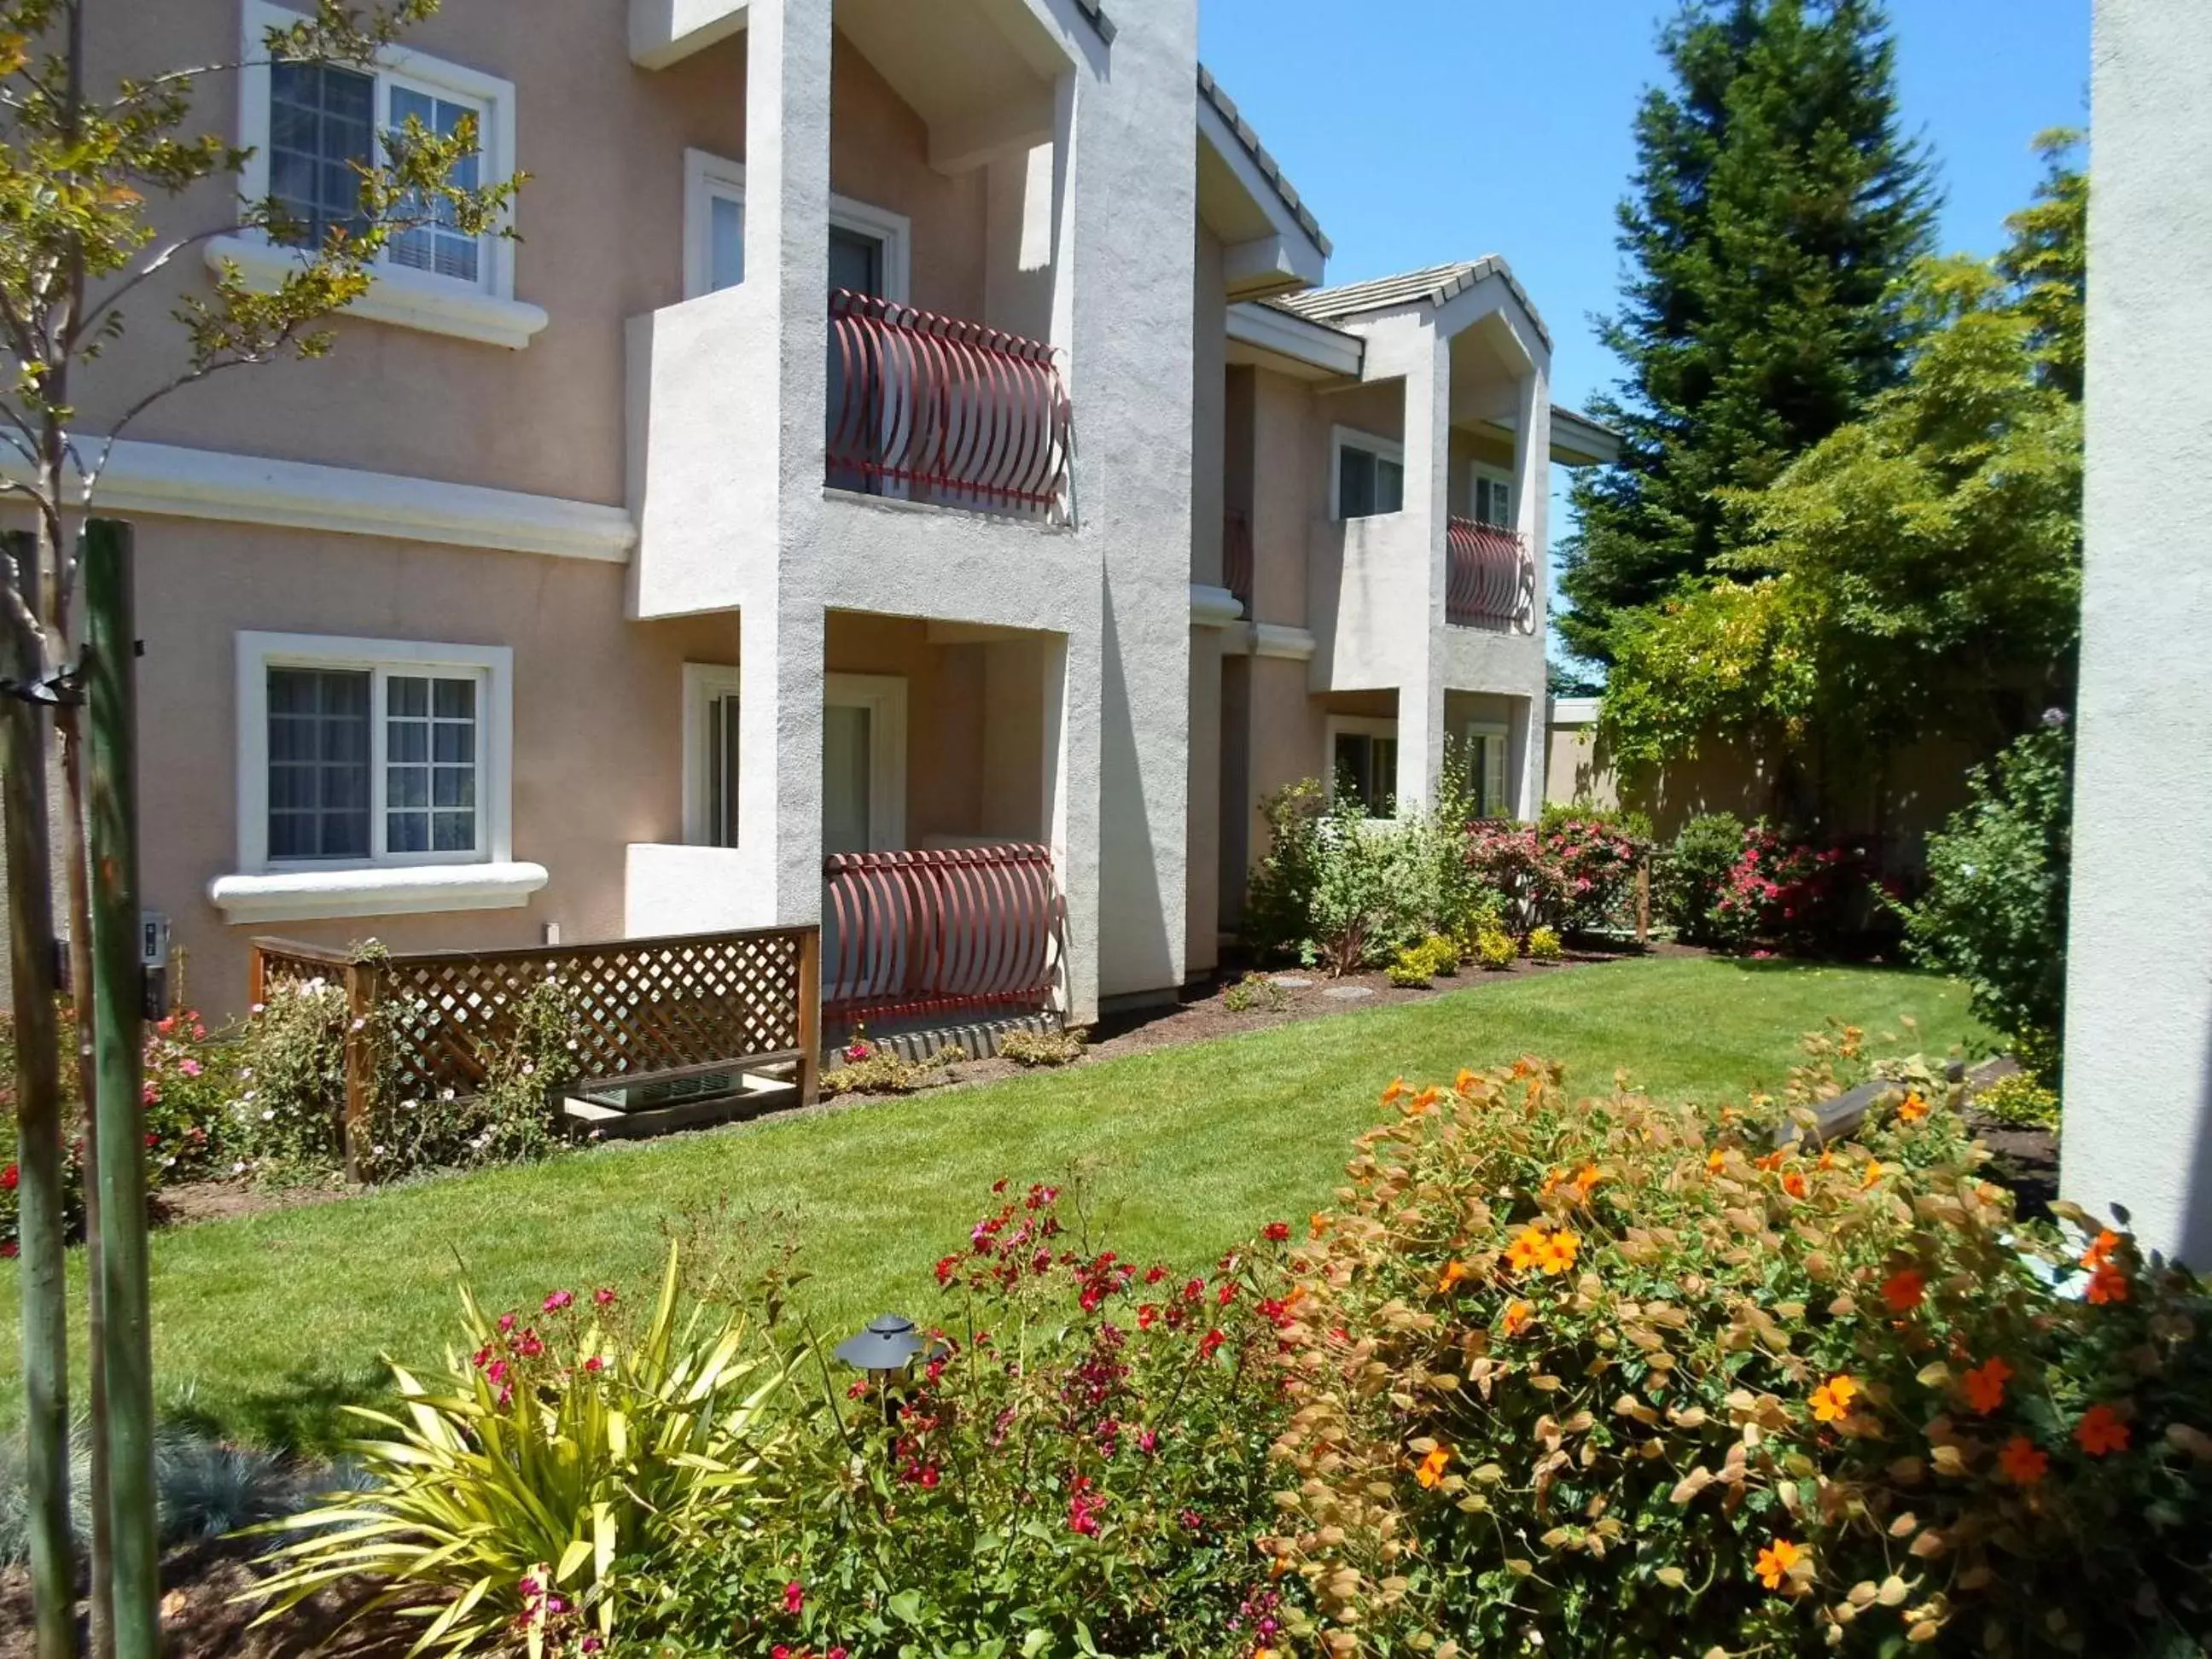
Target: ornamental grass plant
1616, 1376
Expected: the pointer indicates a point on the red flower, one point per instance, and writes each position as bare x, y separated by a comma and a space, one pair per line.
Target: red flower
559, 1300
9, 1177
1195, 1289
946, 1267
1277, 1232
1227, 1294
794, 1599
2108, 1284
1210, 1344
7, 1249
1904, 1290
2100, 1431
1083, 1507
603, 1296
1146, 1316
1154, 1275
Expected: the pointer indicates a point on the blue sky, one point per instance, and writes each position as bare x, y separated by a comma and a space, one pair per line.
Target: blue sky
1423, 130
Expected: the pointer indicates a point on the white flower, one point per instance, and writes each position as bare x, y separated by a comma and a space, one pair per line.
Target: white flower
268, 1116
238, 1168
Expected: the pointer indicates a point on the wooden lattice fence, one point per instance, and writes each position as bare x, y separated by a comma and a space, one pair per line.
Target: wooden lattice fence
644, 1010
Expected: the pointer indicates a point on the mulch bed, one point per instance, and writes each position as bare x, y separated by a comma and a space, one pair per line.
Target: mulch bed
199, 1620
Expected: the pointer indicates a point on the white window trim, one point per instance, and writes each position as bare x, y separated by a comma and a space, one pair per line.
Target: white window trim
1503, 734
1356, 726
1341, 438
702, 683
884, 695
1497, 474
706, 175
485, 310
489, 879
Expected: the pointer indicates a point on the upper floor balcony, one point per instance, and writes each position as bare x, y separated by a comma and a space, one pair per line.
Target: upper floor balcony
1489, 580
943, 411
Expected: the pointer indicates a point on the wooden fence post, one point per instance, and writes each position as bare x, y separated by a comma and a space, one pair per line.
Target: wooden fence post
1644, 905
810, 1014
360, 996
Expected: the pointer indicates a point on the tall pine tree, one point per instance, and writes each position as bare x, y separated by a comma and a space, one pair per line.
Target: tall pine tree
1775, 206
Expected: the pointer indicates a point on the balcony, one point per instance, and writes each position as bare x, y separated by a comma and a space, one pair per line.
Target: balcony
950, 413
1490, 580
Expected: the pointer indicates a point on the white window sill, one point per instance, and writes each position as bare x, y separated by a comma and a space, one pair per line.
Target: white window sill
401, 296
386, 890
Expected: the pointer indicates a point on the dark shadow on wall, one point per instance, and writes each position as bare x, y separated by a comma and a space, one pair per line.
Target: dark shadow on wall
1133, 927
2196, 1245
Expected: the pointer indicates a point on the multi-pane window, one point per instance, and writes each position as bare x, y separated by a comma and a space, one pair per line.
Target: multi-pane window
436, 245
1487, 775
374, 764
1368, 482
324, 126
1493, 502
1366, 767
321, 129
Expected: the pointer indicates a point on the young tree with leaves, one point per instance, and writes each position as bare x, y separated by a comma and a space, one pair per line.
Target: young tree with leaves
1774, 208
93, 182
1918, 570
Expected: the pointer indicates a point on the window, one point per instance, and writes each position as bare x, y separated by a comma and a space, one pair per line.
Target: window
1363, 756
305, 128
714, 232
1487, 776
710, 754
864, 764
1493, 499
360, 752
1370, 475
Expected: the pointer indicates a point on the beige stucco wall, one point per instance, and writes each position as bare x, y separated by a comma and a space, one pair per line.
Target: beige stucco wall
602, 227
598, 718
1283, 469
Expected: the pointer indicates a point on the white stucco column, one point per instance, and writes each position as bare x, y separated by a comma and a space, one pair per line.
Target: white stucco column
1069, 811
1428, 513
2138, 1085
787, 246
1532, 514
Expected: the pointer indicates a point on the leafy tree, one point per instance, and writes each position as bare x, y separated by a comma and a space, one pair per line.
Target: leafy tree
94, 182
1917, 570
2047, 261
1774, 207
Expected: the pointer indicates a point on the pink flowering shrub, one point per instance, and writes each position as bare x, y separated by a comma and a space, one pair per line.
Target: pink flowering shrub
1077, 1461
186, 1122
1569, 874
1784, 890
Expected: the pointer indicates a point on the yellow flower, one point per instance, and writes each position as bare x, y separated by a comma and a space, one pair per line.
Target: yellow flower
1432, 1466
1551, 1253
1776, 1560
1831, 1400
1526, 1251
1913, 1110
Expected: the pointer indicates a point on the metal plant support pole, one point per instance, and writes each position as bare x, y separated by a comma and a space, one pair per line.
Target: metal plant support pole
118, 1003
39, 1131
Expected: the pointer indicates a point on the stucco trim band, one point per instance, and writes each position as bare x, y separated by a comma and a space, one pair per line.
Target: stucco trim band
173, 482
1270, 640
395, 296
1213, 607
311, 895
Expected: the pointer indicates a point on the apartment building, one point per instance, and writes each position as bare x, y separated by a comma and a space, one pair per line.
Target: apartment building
907, 473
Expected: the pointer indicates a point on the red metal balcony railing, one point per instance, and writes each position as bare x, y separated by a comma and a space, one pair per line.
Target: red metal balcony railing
945, 411
1490, 581
975, 931
1236, 557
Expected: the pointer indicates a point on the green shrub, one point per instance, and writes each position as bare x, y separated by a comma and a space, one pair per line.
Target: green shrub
1034, 1048
2017, 1099
514, 1118
290, 1108
1612, 1376
1443, 952
1994, 913
1571, 875
1255, 992
1689, 877
882, 1071
1625, 821
1410, 968
552, 1478
1077, 1464
1543, 945
1494, 949
1278, 894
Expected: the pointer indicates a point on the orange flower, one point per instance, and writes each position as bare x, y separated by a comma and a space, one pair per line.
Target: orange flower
1772, 1160
1515, 1320
1794, 1184
2101, 1252
1873, 1173
1905, 1290
1423, 1101
1827, 1161
1586, 1180
2023, 1461
2100, 1431
1831, 1400
1317, 1224
1986, 1386
1560, 1250
1776, 1560
1465, 1082
1913, 1109
1398, 1087
1716, 1161
1454, 1272
1432, 1466
1552, 1253
2108, 1284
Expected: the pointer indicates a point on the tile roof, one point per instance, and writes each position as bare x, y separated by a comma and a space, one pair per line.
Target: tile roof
1270, 169
1432, 287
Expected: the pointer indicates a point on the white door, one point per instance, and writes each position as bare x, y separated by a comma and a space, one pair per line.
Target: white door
849, 740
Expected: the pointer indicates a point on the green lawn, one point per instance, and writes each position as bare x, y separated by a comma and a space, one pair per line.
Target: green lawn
265, 1325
